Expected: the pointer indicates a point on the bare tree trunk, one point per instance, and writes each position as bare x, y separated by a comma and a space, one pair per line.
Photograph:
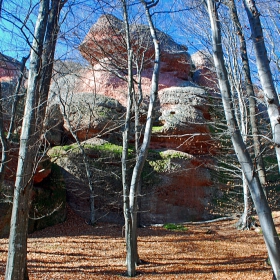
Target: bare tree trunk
92, 219
4, 143
17, 253
130, 192
48, 58
259, 199
131, 246
16, 268
16, 98
244, 221
264, 71
250, 93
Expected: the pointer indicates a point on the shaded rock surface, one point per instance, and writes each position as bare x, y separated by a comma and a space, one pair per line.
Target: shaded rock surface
176, 186
87, 114
48, 203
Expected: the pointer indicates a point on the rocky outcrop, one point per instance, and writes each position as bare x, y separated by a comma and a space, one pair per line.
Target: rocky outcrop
87, 114
183, 121
205, 73
176, 186
183, 190
42, 171
9, 69
105, 44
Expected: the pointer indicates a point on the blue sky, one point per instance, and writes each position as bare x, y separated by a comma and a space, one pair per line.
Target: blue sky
80, 17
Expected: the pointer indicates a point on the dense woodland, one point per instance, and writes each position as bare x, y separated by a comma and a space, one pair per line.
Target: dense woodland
138, 113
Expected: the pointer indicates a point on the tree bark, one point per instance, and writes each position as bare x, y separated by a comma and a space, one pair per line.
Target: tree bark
250, 93
131, 190
17, 253
4, 144
16, 268
264, 72
16, 98
131, 250
259, 199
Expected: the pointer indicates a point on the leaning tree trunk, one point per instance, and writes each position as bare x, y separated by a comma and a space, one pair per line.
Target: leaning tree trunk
16, 268
264, 71
250, 93
258, 196
244, 220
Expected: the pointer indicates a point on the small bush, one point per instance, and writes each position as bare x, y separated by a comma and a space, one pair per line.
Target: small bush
176, 227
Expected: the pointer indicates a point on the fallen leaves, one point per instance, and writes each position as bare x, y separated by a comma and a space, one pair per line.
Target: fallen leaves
75, 250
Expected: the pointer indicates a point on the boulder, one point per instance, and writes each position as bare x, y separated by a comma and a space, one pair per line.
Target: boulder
42, 171
54, 125
48, 203
176, 186
183, 191
106, 40
90, 115
183, 121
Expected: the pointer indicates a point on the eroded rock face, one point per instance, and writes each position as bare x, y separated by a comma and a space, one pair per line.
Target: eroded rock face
90, 115
205, 73
176, 186
104, 47
9, 69
184, 112
185, 191
42, 171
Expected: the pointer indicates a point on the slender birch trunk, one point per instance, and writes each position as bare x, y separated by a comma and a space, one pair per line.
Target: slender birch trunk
131, 250
250, 93
131, 190
265, 74
258, 196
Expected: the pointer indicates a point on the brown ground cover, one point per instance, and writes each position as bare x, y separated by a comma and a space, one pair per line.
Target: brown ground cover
75, 250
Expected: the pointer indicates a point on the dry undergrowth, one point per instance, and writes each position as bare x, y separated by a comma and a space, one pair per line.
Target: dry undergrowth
75, 250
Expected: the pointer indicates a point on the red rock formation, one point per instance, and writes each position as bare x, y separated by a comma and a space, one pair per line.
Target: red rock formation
104, 47
9, 69
43, 169
205, 74
184, 112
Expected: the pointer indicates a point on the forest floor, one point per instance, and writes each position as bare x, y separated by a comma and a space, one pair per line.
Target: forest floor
75, 250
